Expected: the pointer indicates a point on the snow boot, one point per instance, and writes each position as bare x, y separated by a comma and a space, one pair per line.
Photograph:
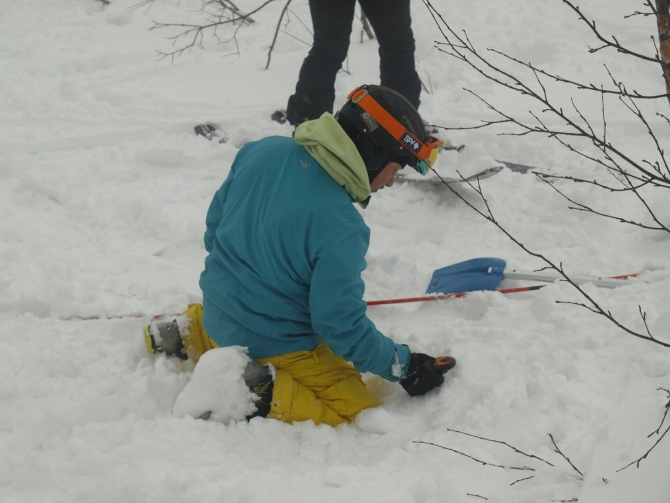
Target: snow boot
165, 337
260, 381
179, 335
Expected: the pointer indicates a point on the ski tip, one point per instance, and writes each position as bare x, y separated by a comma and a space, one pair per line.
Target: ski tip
211, 132
518, 168
279, 116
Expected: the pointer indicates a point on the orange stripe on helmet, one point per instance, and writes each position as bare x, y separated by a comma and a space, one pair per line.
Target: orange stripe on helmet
422, 151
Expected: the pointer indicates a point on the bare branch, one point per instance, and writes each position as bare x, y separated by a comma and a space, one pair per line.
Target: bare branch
195, 32
580, 85
502, 443
274, 39
667, 409
148, 3
593, 305
563, 455
304, 25
228, 4
503, 78
643, 14
583, 207
522, 468
644, 456
287, 33
613, 43
630, 175
521, 480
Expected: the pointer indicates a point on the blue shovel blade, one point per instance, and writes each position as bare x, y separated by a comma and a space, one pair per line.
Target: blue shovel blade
469, 276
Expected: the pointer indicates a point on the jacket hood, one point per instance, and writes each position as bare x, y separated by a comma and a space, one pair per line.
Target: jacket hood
326, 141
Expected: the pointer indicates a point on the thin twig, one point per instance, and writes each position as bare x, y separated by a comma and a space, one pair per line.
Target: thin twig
581, 85
583, 207
563, 455
644, 456
614, 43
196, 31
304, 25
503, 443
274, 39
308, 44
594, 307
667, 409
521, 480
522, 468
462, 48
657, 431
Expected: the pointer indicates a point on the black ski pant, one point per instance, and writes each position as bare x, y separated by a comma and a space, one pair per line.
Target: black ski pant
332, 21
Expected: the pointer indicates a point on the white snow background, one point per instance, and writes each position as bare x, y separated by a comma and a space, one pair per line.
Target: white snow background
103, 194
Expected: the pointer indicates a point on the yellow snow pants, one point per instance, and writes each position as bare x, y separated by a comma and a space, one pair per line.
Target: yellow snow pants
310, 385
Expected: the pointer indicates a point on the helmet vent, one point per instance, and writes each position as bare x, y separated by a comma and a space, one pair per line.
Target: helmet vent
370, 122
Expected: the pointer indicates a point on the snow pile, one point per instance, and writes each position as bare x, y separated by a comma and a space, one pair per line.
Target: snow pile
217, 387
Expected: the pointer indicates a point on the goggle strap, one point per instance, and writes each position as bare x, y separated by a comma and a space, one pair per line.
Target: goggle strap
362, 98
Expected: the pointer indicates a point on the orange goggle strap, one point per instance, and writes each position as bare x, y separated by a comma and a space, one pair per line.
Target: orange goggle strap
421, 150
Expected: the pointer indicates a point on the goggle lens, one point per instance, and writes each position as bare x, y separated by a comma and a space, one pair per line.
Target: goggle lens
424, 165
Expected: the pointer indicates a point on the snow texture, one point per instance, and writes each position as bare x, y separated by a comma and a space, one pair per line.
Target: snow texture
217, 387
103, 194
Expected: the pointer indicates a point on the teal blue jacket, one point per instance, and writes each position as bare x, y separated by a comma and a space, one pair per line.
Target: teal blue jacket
286, 251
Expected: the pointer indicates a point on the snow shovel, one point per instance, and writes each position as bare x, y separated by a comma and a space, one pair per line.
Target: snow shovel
487, 273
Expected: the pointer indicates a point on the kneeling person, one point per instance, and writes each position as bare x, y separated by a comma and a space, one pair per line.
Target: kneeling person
286, 252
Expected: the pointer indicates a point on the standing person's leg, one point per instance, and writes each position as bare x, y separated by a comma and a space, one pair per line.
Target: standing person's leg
392, 23
315, 91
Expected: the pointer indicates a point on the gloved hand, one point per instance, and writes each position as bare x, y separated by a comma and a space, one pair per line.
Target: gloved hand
425, 373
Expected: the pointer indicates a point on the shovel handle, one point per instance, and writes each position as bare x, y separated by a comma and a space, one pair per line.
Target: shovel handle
449, 296
550, 277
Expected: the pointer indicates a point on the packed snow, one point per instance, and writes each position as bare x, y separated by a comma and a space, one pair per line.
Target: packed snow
103, 199
217, 389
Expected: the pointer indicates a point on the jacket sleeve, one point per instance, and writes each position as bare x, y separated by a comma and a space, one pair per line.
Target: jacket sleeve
338, 310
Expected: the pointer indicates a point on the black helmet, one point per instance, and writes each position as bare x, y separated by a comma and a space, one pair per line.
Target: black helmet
385, 127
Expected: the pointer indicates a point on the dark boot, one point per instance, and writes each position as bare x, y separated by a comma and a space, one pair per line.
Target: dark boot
260, 381
164, 337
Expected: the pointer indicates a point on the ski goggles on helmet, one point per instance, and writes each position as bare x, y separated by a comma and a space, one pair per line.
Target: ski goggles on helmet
424, 153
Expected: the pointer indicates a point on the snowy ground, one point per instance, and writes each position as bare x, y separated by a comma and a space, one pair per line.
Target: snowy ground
102, 202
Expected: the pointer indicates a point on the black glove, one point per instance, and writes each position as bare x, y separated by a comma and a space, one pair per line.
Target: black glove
425, 373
